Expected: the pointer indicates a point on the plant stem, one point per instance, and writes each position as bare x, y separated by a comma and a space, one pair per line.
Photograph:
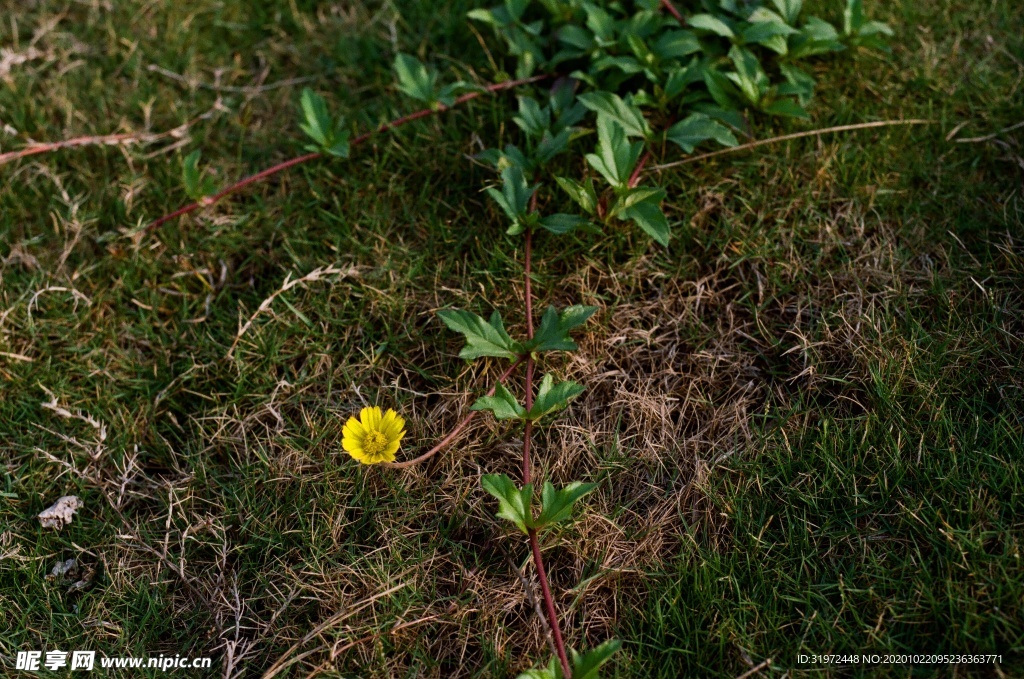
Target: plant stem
453, 434
549, 603
634, 178
667, 4
398, 122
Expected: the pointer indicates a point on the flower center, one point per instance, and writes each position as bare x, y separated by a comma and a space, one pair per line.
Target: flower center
375, 443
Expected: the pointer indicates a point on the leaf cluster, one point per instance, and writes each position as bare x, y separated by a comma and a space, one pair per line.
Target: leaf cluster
515, 504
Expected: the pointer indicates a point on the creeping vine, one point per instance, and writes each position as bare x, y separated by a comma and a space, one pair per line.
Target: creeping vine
640, 74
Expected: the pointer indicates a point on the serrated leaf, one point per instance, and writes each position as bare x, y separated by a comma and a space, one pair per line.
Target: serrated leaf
587, 665
514, 197
696, 128
766, 32
798, 82
483, 338
317, 123
728, 116
561, 223
816, 37
785, 107
789, 9
556, 505
721, 89
196, 186
630, 197
503, 404
676, 44
554, 329
584, 194
551, 145
853, 16
616, 156
629, 117
532, 119
650, 218
750, 77
680, 78
576, 36
552, 671
552, 397
415, 80
513, 503
708, 22
601, 24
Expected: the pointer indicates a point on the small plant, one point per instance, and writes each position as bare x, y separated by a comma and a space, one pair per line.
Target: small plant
628, 78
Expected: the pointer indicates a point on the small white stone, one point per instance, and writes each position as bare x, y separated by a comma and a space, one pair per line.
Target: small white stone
60, 513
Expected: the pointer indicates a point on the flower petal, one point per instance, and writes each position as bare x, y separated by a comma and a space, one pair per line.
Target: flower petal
360, 456
352, 445
370, 418
353, 428
393, 426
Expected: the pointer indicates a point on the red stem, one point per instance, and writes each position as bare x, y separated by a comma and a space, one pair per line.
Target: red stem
667, 4
458, 428
549, 603
398, 122
634, 178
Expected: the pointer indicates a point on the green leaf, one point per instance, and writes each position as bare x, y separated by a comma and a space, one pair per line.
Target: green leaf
853, 17
680, 78
789, 9
513, 503
532, 119
696, 128
713, 24
553, 333
503, 404
584, 194
330, 139
415, 80
514, 197
649, 217
561, 223
586, 666
721, 89
626, 115
676, 44
556, 505
751, 78
630, 197
318, 121
763, 32
552, 671
552, 397
196, 185
551, 145
616, 156
786, 107
797, 82
816, 37
482, 338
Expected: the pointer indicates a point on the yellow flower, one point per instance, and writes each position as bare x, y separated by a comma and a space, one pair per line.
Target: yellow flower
373, 437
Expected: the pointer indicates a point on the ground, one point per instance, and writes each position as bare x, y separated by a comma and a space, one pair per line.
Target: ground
804, 416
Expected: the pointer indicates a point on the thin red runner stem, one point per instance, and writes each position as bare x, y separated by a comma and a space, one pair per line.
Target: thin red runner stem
458, 428
538, 561
634, 178
398, 122
549, 603
667, 4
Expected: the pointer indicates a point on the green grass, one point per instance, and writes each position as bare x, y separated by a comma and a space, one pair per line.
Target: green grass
805, 415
